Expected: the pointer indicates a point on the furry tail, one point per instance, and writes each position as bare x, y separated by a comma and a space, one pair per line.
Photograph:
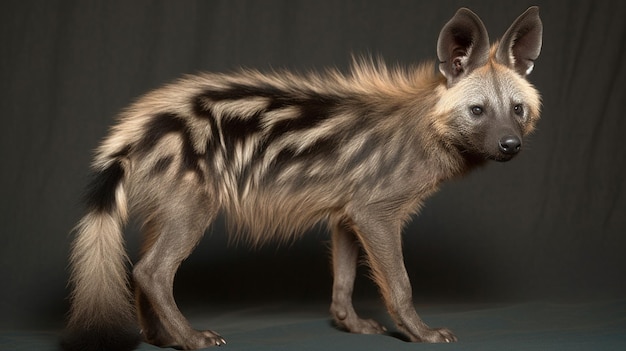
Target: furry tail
102, 316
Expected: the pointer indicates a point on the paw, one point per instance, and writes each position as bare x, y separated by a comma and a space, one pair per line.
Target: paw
360, 326
200, 340
438, 335
193, 340
209, 338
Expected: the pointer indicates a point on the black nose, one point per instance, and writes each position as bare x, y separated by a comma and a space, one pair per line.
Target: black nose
510, 145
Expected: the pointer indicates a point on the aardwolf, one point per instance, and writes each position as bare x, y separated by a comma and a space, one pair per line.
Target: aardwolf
277, 153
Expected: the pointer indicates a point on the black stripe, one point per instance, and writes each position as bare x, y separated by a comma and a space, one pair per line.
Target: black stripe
277, 98
313, 109
157, 128
323, 149
100, 193
312, 113
167, 123
243, 91
200, 109
213, 143
232, 128
237, 129
202, 102
162, 165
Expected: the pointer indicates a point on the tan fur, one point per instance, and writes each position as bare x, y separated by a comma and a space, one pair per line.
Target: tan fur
103, 269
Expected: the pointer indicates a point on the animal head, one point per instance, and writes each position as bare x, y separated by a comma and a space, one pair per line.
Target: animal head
490, 104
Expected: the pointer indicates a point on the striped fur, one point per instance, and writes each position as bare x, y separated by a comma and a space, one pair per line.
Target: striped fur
251, 139
278, 153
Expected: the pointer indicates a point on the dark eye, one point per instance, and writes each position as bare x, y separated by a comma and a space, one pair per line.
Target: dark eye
518, 109
476, 110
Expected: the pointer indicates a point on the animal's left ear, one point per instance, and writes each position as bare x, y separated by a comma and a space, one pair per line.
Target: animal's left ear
521, 44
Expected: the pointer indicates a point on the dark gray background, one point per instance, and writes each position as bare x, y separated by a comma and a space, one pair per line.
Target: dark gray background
548, 225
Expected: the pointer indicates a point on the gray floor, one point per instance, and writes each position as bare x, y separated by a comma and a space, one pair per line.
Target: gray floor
291, 326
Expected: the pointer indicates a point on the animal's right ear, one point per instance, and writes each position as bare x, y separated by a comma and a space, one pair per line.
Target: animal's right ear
463, 45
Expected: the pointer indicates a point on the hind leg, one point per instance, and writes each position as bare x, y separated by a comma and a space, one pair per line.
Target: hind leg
173, 233
345, 251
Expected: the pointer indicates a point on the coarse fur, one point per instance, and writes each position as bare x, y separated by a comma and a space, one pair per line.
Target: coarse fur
277, 153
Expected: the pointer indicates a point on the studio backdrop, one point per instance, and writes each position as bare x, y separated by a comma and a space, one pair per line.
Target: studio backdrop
551, 224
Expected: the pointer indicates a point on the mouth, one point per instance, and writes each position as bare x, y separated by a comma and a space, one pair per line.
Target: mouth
501, 157
486, 156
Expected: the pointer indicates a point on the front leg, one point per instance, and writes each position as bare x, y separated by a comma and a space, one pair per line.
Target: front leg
383, 244
345, 252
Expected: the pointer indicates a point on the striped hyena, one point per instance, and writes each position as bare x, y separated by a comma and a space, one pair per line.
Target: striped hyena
280, 152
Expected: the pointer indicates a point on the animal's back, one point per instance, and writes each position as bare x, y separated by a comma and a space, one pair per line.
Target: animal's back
277, 152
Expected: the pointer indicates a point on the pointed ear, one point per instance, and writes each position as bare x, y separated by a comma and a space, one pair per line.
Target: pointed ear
521, 44
463, 45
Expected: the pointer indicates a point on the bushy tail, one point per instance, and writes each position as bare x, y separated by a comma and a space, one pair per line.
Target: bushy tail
102, 316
